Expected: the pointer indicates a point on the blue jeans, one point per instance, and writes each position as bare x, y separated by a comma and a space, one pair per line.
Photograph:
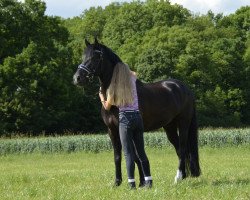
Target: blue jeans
131, 135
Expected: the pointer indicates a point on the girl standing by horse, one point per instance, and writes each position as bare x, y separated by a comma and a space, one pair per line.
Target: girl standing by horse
123, 94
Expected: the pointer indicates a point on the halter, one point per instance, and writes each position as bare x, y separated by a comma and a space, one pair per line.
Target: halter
84, 67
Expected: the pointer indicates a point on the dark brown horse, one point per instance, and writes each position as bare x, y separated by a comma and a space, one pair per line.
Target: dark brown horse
168, 104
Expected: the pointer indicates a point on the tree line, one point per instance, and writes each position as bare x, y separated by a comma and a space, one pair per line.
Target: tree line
39, 55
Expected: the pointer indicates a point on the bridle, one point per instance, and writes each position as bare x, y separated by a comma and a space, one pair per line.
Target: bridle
91, 71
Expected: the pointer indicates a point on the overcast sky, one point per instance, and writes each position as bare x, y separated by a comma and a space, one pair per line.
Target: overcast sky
71, 8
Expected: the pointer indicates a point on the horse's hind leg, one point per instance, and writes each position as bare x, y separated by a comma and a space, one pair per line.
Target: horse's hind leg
183, 138
172, 134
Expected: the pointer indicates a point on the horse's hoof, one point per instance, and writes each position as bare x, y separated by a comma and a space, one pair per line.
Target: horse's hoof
178, 177
118, 182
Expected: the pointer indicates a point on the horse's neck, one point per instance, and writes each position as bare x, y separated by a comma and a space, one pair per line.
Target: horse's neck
106, 76
109, 62
103, 86
105, 82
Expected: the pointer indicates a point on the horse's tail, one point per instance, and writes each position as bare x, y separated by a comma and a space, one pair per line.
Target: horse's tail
192, 159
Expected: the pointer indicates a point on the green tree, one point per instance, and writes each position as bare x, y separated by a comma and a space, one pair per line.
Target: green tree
220, 108
36, 87
165, 14
34, 90
124, 31
38, 56
13, 28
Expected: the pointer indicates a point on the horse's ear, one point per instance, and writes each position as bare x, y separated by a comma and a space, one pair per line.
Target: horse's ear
96, 41
87, 42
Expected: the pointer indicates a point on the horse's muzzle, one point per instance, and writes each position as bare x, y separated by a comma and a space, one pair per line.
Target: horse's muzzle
77, 80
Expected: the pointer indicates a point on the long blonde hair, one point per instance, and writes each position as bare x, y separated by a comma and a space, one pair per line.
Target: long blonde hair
120, 91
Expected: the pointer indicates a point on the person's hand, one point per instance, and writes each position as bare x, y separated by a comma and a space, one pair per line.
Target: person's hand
100, 89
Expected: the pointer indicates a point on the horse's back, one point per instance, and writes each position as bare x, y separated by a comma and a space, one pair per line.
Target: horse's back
163, 101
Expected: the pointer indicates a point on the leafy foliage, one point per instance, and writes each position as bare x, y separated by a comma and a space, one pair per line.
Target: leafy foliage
36, 75
38, 55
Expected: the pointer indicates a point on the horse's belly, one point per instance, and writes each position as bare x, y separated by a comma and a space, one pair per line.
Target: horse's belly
156, 121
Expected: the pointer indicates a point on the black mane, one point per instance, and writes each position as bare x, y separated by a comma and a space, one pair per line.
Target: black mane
110, 59
111, 55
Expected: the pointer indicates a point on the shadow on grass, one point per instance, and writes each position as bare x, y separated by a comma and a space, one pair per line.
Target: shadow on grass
219, 182
245, 181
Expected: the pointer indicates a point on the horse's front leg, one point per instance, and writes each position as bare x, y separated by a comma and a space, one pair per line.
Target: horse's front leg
116, 143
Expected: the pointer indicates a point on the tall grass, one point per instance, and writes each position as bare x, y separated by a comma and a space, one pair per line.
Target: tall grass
97, 143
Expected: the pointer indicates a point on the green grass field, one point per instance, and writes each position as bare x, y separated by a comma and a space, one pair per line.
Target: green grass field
82, 175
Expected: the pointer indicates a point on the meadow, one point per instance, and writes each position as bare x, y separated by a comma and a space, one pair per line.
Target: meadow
89, 174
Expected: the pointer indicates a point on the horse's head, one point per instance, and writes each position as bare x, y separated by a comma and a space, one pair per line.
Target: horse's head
91, 65
98, 60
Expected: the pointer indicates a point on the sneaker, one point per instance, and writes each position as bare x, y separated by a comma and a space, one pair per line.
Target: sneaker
142, 184
148, 184
131, 185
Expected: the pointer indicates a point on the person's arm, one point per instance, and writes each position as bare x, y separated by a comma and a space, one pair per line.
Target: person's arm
105, 103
